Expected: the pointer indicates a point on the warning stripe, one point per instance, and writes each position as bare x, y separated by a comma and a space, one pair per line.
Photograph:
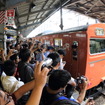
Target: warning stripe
2, 14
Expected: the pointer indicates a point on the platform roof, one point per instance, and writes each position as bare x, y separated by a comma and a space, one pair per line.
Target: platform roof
32, 13
92, 8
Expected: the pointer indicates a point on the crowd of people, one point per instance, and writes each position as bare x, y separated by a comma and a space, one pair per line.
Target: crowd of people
28, 77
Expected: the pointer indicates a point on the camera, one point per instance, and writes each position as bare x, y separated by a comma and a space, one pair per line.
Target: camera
81, 79
47, 62
15, 51
39, 50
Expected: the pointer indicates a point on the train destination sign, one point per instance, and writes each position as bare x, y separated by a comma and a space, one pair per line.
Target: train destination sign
100, 31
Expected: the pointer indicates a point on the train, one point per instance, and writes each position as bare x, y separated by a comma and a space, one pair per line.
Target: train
85, 51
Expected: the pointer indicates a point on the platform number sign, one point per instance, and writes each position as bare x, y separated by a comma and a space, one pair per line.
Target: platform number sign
100, 31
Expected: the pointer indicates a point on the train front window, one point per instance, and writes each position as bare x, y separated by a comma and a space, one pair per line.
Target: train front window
97, 46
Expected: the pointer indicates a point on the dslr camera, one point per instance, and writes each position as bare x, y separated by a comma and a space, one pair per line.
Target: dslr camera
81, 79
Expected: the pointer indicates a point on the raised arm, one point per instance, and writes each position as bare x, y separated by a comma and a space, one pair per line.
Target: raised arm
40, 80
24, 89
83, 88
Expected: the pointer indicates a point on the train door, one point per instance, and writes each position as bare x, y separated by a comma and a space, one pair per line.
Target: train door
67, 47
74, 57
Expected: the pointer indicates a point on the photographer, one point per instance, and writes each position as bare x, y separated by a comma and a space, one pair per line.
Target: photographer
83, 87
40, 53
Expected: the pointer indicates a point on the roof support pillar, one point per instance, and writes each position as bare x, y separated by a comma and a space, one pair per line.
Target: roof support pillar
61, 19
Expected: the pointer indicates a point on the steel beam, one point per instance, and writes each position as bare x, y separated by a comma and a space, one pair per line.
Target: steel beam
72, 2
28, 13
13, 3
26, 26
37, 12
30, 20
97, 11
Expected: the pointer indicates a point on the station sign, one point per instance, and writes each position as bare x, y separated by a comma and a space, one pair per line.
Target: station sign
9, 17
11, 13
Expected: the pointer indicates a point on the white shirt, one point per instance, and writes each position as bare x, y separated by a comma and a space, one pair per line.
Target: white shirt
8, 83
61, 64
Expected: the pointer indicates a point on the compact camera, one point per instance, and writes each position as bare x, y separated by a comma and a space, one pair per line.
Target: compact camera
81, 79
47, 62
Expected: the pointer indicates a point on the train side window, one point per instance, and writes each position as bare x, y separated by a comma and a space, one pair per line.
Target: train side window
47, 42
97, 46
75, 50
58, 42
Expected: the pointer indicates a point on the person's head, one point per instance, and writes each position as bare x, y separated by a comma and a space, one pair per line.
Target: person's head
25, 46
17, 46
38, 44
15, 58
56, 59
9, 68
62, 53
44, 48
25, 55
50, 49
58, 79
5, 99
30, 40
8, 43
30, 44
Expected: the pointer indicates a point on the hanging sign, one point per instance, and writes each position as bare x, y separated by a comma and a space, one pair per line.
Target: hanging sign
9, 17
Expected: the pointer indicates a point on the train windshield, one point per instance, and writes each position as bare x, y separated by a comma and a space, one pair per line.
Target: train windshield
97, 46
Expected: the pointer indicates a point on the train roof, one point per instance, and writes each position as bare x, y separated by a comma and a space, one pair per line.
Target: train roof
74, 29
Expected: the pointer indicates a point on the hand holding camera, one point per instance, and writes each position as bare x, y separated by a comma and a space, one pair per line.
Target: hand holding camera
47, 63
81, 79
82, 83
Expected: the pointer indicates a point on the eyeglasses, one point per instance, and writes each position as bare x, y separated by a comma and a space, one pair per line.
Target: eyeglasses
8, 99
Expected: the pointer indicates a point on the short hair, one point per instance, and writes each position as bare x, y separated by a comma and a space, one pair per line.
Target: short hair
55, 57
9, 67
24, 54
13, 57
30, 43
58, 79
43, 46
17, 44
62, 52
25, 46
50, 48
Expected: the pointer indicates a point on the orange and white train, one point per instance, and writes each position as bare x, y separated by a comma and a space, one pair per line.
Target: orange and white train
85, 47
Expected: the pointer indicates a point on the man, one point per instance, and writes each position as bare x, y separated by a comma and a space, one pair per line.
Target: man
62, 53
57, 83
56, 60
25, 69
9, 82
50, 49
56, 65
